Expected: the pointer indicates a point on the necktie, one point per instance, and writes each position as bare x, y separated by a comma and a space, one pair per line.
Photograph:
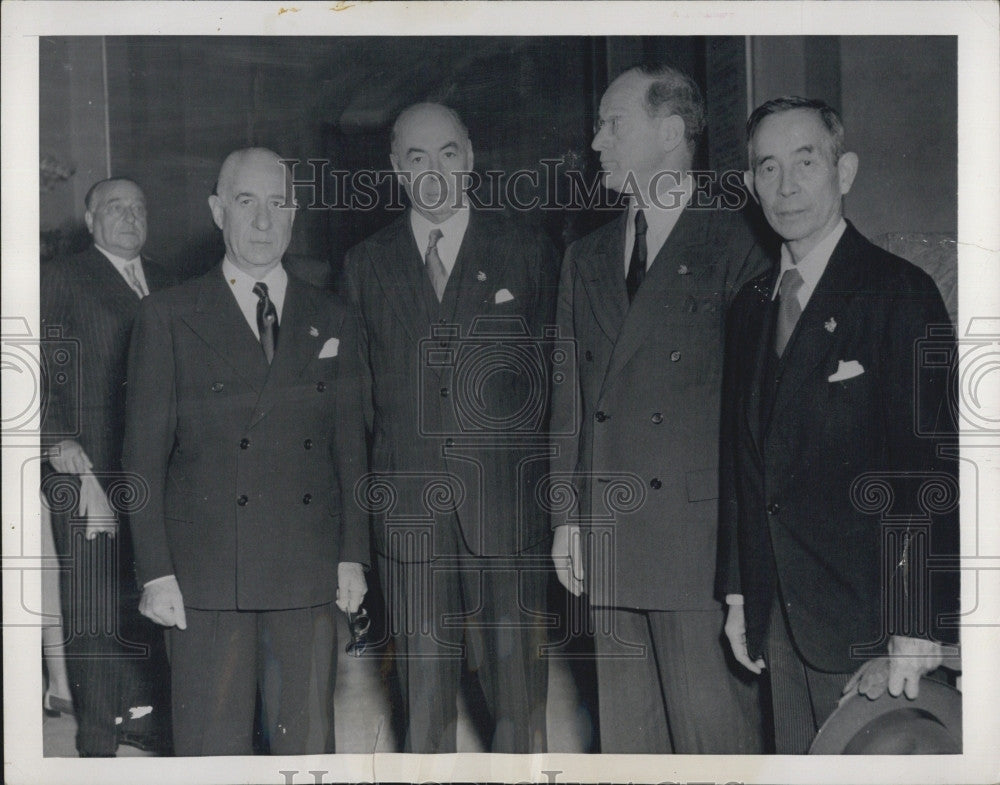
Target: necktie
133, 280
637, 265
267, 320
789, 309
434, 265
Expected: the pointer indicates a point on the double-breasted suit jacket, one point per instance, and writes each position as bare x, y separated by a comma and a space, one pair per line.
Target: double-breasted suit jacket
644, 449
848, 399
251, 468
458, 388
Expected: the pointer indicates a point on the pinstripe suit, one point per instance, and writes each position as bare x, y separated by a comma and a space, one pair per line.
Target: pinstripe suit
94, 308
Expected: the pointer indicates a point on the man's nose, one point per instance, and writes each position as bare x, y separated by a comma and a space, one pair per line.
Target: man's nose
600, 139
262, 217
787, 185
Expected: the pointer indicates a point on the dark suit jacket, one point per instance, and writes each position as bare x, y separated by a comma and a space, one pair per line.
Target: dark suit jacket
91, 306
643, 443
251, 468
792, 515
447, 411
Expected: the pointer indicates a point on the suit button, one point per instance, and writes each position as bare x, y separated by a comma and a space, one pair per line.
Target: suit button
217, 386
442, 321
600, 416
320, 386
244, 443
675, 356
655, 484
308, 444
657, 418
589, 355
242, 501
773, 508
443, 344
307, 498
444, 392
449, 442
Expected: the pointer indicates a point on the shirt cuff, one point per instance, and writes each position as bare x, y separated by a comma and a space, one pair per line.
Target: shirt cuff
161, 579
734, 599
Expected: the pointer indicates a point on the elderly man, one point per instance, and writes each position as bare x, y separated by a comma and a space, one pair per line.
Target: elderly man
245, 421
822, 396
645, 298
448, 293
92, 299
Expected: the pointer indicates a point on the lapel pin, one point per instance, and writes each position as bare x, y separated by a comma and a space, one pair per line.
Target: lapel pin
830, 324
480, 276
683, 270
314, 332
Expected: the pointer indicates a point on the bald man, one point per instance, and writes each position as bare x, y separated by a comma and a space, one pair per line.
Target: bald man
244, 418
449, 293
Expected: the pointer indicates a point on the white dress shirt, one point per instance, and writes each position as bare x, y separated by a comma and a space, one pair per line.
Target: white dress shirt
452, 231
120, 265
813, 264
661, 218
241, 285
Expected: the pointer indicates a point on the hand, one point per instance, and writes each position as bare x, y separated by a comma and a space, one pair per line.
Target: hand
162, 602
567, 556
908, 660
94, 507
736, 631
68, 457
351, 586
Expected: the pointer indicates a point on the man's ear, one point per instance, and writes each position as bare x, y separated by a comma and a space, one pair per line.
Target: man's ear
847, 170
748, 182
88, 218
218, 212
671, 132
395, 162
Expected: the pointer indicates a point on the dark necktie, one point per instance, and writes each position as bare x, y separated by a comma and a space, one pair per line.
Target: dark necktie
637, 265
434, 265
789, 309
267, 321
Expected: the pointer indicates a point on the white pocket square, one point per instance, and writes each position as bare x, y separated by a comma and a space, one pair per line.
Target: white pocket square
846, 370
503, 296
329, 348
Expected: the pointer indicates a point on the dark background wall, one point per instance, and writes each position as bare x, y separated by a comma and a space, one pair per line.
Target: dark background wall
166, 110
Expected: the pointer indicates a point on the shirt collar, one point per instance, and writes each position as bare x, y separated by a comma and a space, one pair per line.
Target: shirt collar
242, 283
453, 227
662, 212
117, 261
813, 264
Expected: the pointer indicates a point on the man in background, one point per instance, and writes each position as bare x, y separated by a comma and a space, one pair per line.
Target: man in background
245, 421
645, 299
91, 300
822, 393
467, 587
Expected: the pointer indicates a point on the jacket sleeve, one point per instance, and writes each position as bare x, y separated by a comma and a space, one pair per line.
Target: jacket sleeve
150, 423
60, 401
351, 455
564, 427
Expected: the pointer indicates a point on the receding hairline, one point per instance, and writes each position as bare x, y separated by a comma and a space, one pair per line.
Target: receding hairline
94, 191
239, 158
429, 107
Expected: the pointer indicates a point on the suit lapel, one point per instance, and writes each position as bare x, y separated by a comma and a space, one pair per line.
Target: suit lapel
757, 345
110, 283
812, 341
663, 284
300, 337
221, 324
157, 278
603, 276
400, 274
479, 270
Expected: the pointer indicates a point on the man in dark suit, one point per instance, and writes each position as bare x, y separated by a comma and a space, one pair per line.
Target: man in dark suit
245, 421
824, 410
91, 299
453, 301
645, 298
